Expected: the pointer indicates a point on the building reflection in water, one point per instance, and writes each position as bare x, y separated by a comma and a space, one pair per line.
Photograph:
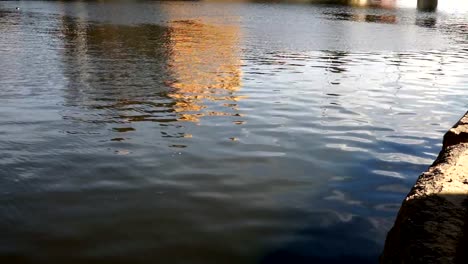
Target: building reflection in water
427, 5
117, 71
374, 3
336, 61
123, 74
360, 3
426, 21
367, 15
364, 17
205, 66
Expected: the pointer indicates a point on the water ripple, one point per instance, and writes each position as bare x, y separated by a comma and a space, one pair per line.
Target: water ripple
218, 133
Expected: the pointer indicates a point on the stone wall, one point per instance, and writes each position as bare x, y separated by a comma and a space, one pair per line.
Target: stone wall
432, 224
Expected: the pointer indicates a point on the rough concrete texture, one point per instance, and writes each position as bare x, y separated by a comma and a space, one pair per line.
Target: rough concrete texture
432, 224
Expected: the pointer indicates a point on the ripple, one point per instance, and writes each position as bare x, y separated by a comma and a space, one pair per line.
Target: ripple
392, 174
258, 125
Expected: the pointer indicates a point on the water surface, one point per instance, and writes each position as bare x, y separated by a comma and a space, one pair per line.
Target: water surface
191, 132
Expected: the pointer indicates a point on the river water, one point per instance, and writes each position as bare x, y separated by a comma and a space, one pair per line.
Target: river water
191, 132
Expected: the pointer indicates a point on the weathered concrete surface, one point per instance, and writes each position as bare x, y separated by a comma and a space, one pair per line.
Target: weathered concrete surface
432, 224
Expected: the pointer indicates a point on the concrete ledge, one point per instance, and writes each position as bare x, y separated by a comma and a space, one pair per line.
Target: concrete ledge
432, 224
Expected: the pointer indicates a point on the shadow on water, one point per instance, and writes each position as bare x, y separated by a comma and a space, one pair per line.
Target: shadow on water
328, 245
428, 222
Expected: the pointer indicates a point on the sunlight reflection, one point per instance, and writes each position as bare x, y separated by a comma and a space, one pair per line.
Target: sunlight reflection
205, 65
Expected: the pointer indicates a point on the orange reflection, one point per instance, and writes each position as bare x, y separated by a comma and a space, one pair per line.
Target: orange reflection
384, 19
376, 3
205, 67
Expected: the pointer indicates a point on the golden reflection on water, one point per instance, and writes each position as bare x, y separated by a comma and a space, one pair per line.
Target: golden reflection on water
151, 73
205, 65
377, 3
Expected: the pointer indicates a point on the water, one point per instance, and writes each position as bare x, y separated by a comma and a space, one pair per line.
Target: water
191, 132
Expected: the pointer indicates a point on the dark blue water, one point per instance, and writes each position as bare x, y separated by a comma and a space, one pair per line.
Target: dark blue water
191, 132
